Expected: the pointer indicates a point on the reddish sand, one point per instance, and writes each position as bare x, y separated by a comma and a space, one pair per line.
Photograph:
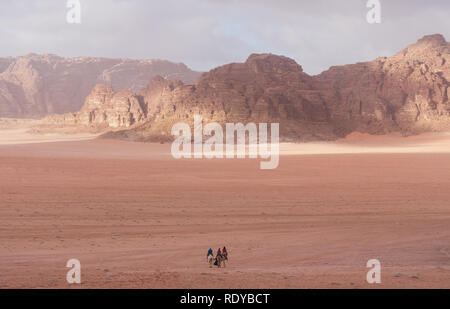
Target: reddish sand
136, 218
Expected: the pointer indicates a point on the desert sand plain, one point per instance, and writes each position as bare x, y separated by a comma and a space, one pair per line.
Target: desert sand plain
137, 218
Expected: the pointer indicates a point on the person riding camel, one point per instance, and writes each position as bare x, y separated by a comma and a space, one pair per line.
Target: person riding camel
225, 253
219, 254
210, 252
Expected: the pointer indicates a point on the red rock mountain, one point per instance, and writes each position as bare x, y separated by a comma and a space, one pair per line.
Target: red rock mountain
103, 109
33, 86
408, 92
266, 88
4, 63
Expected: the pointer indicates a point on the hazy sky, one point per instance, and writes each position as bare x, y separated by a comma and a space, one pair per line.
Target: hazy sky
207, 33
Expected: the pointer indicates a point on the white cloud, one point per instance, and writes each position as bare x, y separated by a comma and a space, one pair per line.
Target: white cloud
207, 33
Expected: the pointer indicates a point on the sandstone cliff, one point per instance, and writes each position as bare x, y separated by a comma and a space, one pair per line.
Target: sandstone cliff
33, 86
4, 63
408, 93
266, 88
103, 109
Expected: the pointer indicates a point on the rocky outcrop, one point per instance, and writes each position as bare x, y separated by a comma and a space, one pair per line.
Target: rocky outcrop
33, 86
408, 92
266, 88
4, 63
103, 109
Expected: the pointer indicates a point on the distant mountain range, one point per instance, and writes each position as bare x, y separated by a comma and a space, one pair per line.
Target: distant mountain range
406, 93
34, 86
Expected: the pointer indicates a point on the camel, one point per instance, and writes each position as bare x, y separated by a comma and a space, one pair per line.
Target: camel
210, 260
218, 260
221, 260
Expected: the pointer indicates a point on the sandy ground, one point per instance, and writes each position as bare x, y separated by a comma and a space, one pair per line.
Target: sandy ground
137, 218
19, 136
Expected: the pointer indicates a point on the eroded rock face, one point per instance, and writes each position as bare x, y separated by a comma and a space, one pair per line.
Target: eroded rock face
33, 86
4, 63
266, 88
104, 108
408, 92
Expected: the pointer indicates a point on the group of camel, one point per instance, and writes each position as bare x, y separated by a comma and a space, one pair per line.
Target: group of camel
218, 260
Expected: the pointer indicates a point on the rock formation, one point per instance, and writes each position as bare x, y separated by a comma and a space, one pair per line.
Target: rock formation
266, 88
103, 109
4, 63
408, 93
33, 86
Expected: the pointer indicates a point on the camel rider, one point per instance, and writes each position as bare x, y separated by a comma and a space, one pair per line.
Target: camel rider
219, 254
210, 252
224, 252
